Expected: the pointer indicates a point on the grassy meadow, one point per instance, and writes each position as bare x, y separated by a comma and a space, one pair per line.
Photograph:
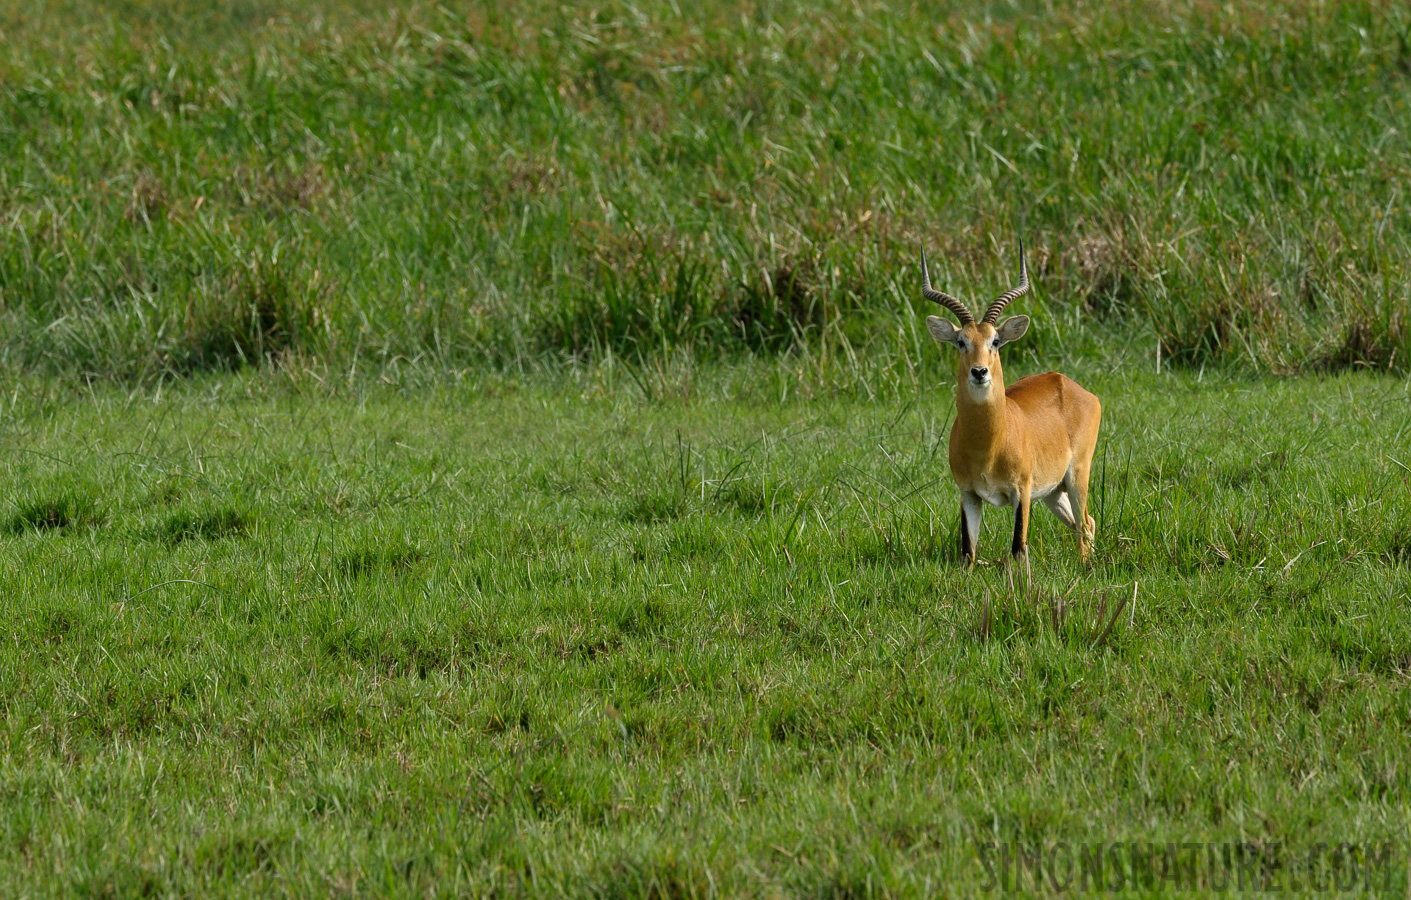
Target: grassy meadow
499, 639
495, 450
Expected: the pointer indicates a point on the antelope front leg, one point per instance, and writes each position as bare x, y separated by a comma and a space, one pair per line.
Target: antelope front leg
1020, 545
970, 509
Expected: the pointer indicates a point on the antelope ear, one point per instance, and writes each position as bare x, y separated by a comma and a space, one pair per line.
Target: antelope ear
942, 330
1012, 330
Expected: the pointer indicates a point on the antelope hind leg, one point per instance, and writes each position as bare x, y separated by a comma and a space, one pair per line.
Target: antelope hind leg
1058, 504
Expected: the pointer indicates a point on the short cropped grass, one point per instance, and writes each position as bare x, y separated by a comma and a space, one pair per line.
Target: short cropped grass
539, 638
187, 186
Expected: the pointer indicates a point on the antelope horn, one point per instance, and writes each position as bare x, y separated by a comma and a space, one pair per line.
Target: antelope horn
961, 311
1003, 300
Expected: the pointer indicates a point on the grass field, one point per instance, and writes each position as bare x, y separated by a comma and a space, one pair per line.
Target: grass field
544, 639
494, 449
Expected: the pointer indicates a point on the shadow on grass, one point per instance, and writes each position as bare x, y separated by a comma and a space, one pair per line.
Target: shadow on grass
366, 561
211, 525
62, 511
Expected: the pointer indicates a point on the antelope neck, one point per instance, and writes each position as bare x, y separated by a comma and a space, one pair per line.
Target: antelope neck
983, 420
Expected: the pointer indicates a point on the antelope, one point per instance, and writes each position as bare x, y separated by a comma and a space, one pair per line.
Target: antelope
1010, 445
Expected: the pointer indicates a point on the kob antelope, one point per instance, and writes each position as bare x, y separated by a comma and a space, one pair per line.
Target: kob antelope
1010, 445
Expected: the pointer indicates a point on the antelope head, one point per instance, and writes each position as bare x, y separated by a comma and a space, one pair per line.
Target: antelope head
978, 342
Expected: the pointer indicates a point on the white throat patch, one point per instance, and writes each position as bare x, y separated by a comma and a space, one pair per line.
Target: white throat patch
980, 392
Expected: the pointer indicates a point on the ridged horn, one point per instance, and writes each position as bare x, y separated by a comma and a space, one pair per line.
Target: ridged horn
1009, 296
962, 312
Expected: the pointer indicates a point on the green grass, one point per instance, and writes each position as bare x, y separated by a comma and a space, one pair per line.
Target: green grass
191, 186
540, 637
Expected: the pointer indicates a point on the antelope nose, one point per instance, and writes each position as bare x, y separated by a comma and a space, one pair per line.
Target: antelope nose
979, 373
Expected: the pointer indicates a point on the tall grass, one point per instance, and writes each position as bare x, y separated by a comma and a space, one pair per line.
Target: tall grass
190, 188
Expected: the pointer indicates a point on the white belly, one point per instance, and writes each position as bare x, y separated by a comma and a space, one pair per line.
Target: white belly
1039, 493
997, 495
